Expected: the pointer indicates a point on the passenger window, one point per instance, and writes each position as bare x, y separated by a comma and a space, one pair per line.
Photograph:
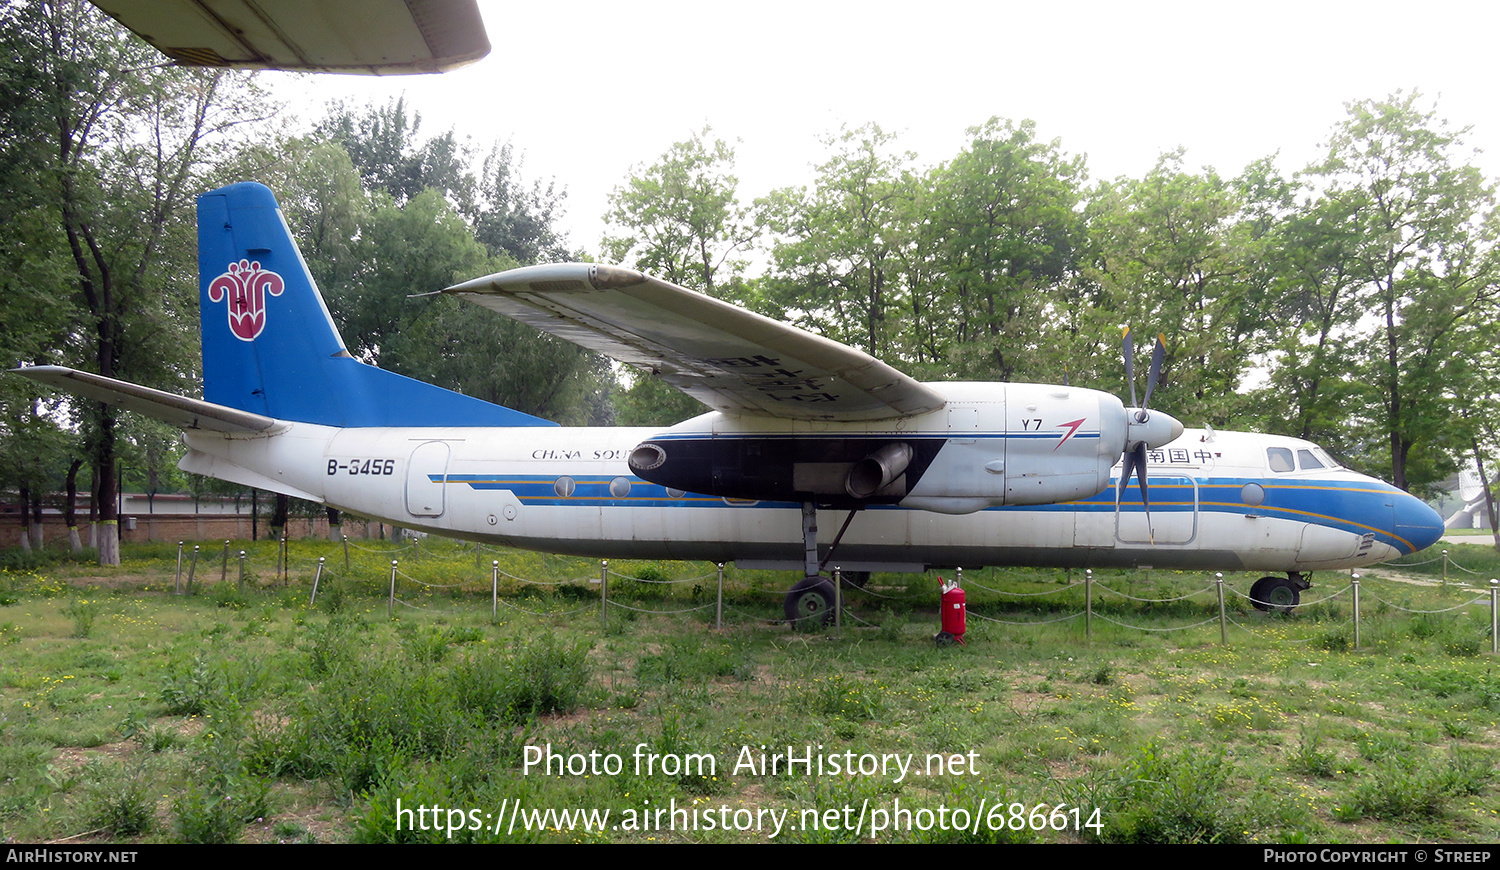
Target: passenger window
1280, 459
1307, 461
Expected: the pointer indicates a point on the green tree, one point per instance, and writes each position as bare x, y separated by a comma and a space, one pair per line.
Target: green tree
1169, 255
384, 145
837, 265
680, 218
1005, 228
124, 137
1423, 253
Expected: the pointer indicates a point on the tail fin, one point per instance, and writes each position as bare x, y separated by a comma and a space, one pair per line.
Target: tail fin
270, 346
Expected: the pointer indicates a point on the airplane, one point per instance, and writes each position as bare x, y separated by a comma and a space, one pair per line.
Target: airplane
803, 430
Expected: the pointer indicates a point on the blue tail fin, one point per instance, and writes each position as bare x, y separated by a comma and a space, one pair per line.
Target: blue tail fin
270, 346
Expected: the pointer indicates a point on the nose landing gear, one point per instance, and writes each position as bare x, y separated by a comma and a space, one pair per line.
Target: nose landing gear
1279, 594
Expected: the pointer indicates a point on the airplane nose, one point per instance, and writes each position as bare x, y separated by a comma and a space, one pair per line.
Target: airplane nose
1416, 523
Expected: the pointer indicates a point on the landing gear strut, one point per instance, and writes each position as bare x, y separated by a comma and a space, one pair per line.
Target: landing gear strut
811, 601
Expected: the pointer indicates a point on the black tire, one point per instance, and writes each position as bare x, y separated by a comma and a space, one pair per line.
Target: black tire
857, 579
810, 603
1275, 595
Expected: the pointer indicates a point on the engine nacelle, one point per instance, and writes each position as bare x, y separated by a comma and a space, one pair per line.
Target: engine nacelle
991, 445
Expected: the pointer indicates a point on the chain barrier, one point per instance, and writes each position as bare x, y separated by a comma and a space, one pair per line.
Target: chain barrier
969, 583
1153, 600
1392, 605
1250, 631
1026, 622
668, 612
589, 606
1209, 621
194, 569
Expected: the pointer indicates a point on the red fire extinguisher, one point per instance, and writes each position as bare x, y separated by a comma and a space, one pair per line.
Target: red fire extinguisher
954, 613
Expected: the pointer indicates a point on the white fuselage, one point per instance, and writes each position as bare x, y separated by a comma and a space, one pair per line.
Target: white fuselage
568, 490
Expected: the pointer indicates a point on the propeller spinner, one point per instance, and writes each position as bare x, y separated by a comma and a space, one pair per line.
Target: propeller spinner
1144, 428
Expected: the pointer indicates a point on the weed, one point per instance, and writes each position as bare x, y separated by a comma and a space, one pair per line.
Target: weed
1159, 796
83, 612
228, 595
291, 832
121, 802
846, 699
1309, 759
187, 692
1400, 788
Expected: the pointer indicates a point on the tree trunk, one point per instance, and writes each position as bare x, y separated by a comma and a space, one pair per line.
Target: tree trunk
25, 532
37, 534
70, 507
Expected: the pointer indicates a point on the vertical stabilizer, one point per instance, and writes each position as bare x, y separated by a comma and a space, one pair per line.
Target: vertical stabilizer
270, 346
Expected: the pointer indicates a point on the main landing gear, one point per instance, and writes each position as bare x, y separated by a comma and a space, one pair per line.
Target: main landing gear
1279, 594
811, 601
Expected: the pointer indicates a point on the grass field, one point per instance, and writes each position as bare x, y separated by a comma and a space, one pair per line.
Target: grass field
129, 713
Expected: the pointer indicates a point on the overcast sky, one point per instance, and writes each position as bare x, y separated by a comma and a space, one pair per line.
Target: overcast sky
586, 90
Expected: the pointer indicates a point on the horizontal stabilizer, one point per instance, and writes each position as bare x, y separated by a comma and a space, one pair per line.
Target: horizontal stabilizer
167, 407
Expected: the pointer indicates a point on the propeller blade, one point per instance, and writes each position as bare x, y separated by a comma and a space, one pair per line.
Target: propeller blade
1135, 464
1130, 364
1158, 354
1140, 471
1127, 468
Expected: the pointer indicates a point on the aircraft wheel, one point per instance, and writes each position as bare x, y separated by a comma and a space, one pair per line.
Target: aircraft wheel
810, 603
857, 579
1275, 595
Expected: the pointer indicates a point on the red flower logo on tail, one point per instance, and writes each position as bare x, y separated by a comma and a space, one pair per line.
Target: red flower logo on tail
246, 286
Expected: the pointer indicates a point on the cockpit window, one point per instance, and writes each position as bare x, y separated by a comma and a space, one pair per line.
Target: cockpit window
1280, 459
1307, 461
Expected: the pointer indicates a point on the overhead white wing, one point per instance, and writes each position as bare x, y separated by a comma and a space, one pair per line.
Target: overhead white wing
380, 37
728, 358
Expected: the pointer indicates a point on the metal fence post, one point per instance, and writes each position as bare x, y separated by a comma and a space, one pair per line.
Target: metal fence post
719, 607
224, 564
390, 605
1088, 603
177, 583
1223, 624
1494, 616
1354, 582
346, 554
495, 589
603, 593
242, 569
838, 601
192, 569
316, 577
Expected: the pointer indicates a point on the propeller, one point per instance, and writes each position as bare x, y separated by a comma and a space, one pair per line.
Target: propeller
1143, 428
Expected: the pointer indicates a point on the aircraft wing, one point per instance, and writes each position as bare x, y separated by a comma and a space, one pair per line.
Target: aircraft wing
379, 37
168, 407
730, 359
